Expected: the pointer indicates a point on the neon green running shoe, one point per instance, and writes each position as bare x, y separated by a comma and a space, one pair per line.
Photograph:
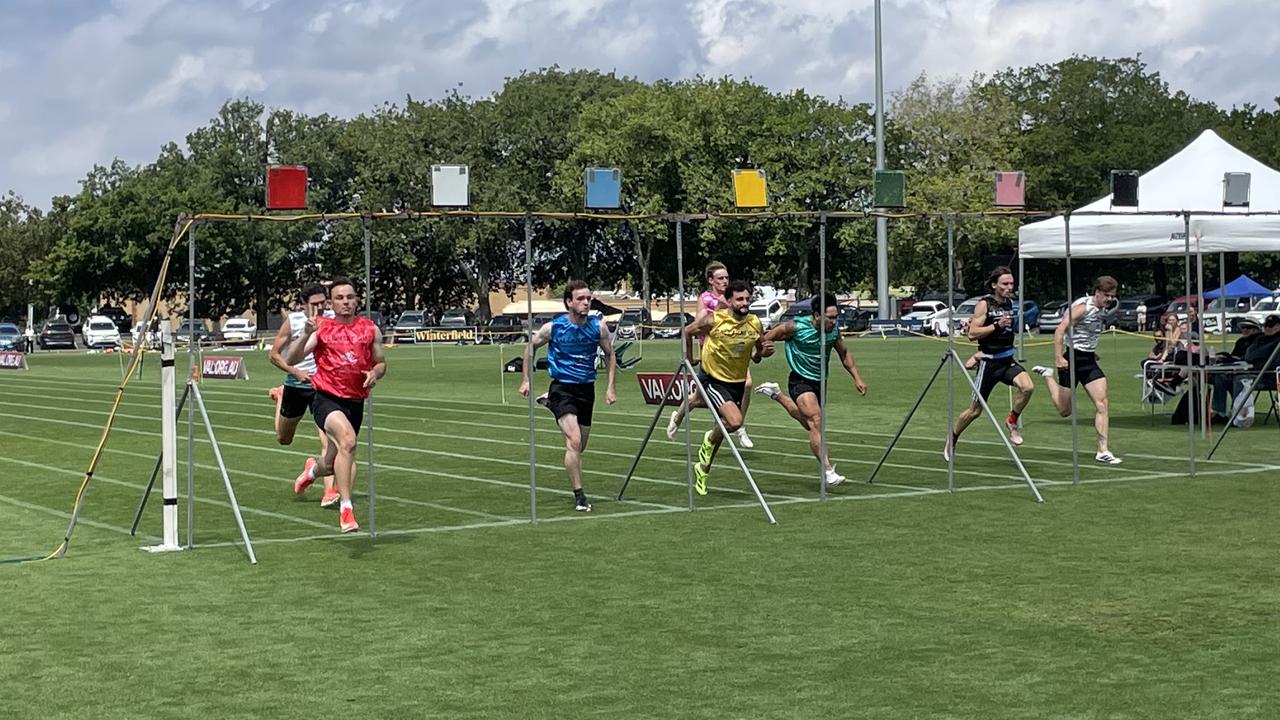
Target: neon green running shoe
705, 450
700, 478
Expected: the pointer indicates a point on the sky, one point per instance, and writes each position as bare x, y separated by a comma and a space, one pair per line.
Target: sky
87, 82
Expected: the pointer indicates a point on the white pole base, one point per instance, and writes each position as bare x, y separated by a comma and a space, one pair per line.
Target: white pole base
162, 548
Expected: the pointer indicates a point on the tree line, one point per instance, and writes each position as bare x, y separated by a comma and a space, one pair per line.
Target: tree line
1065, 124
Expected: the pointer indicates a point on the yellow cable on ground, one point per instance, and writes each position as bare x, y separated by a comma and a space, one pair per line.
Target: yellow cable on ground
115, 405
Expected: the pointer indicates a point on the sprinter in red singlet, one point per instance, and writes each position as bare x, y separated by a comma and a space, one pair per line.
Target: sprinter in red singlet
348, 352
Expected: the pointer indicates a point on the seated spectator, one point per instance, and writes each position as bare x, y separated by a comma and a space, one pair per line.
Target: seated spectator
1257, 352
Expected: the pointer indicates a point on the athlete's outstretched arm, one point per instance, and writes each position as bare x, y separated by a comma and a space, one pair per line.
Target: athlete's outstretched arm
698, 327
276, 354
850, 365
306, 344
978, 327
1060, 333
611, 360
540, 338
782, 331
379, 368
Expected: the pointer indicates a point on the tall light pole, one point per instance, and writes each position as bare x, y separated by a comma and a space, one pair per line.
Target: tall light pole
882, 224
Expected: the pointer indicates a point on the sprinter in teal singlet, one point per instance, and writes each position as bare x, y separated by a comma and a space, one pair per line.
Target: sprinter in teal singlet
804, 345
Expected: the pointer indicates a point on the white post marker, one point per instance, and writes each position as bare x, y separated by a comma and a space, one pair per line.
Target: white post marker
168, 444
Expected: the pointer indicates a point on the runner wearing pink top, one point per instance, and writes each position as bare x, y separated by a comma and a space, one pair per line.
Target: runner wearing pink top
711, 300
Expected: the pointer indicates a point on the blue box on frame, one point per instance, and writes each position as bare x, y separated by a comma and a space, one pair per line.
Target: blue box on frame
604, 188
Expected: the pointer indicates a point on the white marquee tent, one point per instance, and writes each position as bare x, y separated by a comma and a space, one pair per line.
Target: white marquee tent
1189, 181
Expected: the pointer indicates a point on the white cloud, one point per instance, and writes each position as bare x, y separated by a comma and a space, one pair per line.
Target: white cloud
86, 82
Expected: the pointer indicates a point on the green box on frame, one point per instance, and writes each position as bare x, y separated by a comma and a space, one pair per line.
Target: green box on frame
890, 189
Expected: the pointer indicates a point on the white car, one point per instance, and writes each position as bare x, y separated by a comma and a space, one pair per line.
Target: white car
239, 330
100, 332
924, 311
1264, 307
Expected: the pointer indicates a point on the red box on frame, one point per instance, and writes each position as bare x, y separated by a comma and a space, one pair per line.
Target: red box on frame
1011, 189
287, 187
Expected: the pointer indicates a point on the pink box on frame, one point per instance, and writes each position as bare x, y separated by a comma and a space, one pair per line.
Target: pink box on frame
1011, 189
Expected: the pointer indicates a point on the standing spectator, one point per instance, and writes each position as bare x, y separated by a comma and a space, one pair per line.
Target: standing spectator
1142, 315
30, 336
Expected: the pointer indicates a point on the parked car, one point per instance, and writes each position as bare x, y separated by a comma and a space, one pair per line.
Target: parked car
854, 320
503, 329
769, 310
1126, 315
1178, 306
409, 322
457, 317
120, 318
635, 323
671, 325
1232, 310
924, 311
100, 332
1264, 307
183, 333
11, 338
57, 333
1051, 315
239, 330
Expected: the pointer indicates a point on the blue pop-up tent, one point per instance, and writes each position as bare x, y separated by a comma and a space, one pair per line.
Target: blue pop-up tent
1242, 287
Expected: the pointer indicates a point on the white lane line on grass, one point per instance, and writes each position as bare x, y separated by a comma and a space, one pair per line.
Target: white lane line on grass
259, 448
140, 486
420, 401
5, 499
675, 461
425, 403
445, 436
270, 478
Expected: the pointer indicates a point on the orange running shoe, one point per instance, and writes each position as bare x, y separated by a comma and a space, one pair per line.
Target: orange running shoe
275, 393
304, 480
331, 499
347, 521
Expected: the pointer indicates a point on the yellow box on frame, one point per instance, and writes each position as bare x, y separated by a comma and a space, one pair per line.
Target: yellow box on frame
750, 189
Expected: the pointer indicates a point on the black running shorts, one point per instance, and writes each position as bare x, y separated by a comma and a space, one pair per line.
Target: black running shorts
720, 392
1087, 369
798, 385
994, 371
577, 399
295, 401
324, 404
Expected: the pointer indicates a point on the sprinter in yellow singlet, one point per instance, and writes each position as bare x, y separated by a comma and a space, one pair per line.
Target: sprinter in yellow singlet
732, 338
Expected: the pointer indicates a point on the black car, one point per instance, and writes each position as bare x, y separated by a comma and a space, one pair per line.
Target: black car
671, 325
853, 320
119, 318
635, 323
57, 333
1126, 316
504, 329
183, 333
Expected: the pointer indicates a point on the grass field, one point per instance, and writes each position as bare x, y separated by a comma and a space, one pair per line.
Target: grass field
1140, 593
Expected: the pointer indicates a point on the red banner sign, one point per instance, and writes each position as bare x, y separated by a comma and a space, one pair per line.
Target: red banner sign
229, 367
13, 361
654, 385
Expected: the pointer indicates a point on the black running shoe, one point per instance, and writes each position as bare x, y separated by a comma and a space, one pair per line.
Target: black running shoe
580, 504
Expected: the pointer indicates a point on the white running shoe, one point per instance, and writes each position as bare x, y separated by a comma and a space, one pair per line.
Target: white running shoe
949, 447
1015, 435
744, 440
673, 427
1043, 371
769, 390
832, 477
1106, 458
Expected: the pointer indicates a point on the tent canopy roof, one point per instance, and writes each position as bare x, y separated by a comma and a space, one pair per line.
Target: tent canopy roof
1191, 181
1243, 286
